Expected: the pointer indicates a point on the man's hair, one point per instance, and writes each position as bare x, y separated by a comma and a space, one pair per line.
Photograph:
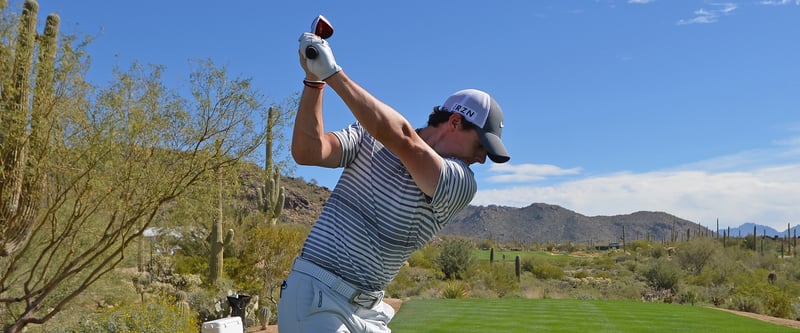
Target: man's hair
440, 115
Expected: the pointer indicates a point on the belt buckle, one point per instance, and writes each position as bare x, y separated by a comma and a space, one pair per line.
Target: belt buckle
365, 300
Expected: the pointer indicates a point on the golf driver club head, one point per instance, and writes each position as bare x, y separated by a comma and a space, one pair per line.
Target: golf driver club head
322, 28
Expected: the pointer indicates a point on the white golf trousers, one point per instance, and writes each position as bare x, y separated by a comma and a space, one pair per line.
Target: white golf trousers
309, 306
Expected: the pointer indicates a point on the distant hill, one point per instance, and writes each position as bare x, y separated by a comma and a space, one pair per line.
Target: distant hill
747, 229
542, 222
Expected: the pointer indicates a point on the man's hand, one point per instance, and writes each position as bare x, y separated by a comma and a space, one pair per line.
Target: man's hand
324, 65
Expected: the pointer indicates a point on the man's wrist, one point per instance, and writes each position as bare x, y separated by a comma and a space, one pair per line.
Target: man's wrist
314, 84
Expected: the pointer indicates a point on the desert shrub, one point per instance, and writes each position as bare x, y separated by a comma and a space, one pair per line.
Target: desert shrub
191, 265
455, 258
527, 262
580, 274
663, 274
184, 281
718, 295
658, 295
412, 281
622, 290
640, 246
542, 268
777, 303
719, 270
622, 258
631, 265
792, 270
455, 289
156, 317
561, 260
763, 298
745, 303
582, 262
568, 247
693, 255
766, 261
160, 265
689, 295
543, 289
658, 251
208, 304
233, 266
796, 310
548, 271
605, 262
500, 279
424, 257
586, 297
485, 244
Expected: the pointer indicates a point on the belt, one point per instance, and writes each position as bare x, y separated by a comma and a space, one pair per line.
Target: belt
354, 295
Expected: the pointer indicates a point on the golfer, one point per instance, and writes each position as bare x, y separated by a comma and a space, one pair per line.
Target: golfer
399, 186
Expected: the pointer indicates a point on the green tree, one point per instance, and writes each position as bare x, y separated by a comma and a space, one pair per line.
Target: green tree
96, 169
268, 256
663, 274
695, 254
456, 257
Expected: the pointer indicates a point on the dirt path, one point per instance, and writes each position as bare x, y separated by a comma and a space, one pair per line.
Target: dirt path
774, 320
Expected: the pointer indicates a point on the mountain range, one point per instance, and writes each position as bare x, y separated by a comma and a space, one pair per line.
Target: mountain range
536, 223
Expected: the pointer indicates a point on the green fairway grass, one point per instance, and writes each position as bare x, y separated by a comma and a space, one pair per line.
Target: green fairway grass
550, 315
483, 255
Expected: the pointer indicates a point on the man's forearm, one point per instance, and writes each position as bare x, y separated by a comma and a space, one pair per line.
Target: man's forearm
381, 121
392, 130
309, 129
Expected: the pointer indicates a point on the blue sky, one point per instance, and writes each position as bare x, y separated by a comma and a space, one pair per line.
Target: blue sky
612, 106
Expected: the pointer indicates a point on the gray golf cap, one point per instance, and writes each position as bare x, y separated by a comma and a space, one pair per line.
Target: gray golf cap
482, 110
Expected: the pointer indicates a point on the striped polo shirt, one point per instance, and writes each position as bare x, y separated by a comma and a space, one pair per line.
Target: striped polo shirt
376, 215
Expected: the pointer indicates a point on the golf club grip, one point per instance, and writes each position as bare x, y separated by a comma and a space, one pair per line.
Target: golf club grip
311, 52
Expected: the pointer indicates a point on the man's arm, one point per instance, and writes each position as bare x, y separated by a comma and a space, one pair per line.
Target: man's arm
392, 130
381, 121
311, 145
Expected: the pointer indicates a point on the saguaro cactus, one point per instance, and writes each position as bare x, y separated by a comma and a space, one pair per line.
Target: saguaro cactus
263, 316
24, 126
271, 197
217, 250
218, 243
182, 302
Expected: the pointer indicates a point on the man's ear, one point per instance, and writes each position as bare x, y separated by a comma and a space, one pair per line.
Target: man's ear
454, 121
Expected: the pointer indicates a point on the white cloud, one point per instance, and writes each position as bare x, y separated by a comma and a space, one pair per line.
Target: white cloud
759, 186
641, 1
510, 173
710, 15
779, 2
766, 196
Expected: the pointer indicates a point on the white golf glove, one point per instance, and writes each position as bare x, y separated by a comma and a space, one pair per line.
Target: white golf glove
324, 65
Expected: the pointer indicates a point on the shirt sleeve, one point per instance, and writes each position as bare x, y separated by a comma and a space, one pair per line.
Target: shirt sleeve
349, 137
455, 190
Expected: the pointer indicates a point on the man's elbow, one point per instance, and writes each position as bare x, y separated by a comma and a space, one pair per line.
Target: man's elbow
303, 156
